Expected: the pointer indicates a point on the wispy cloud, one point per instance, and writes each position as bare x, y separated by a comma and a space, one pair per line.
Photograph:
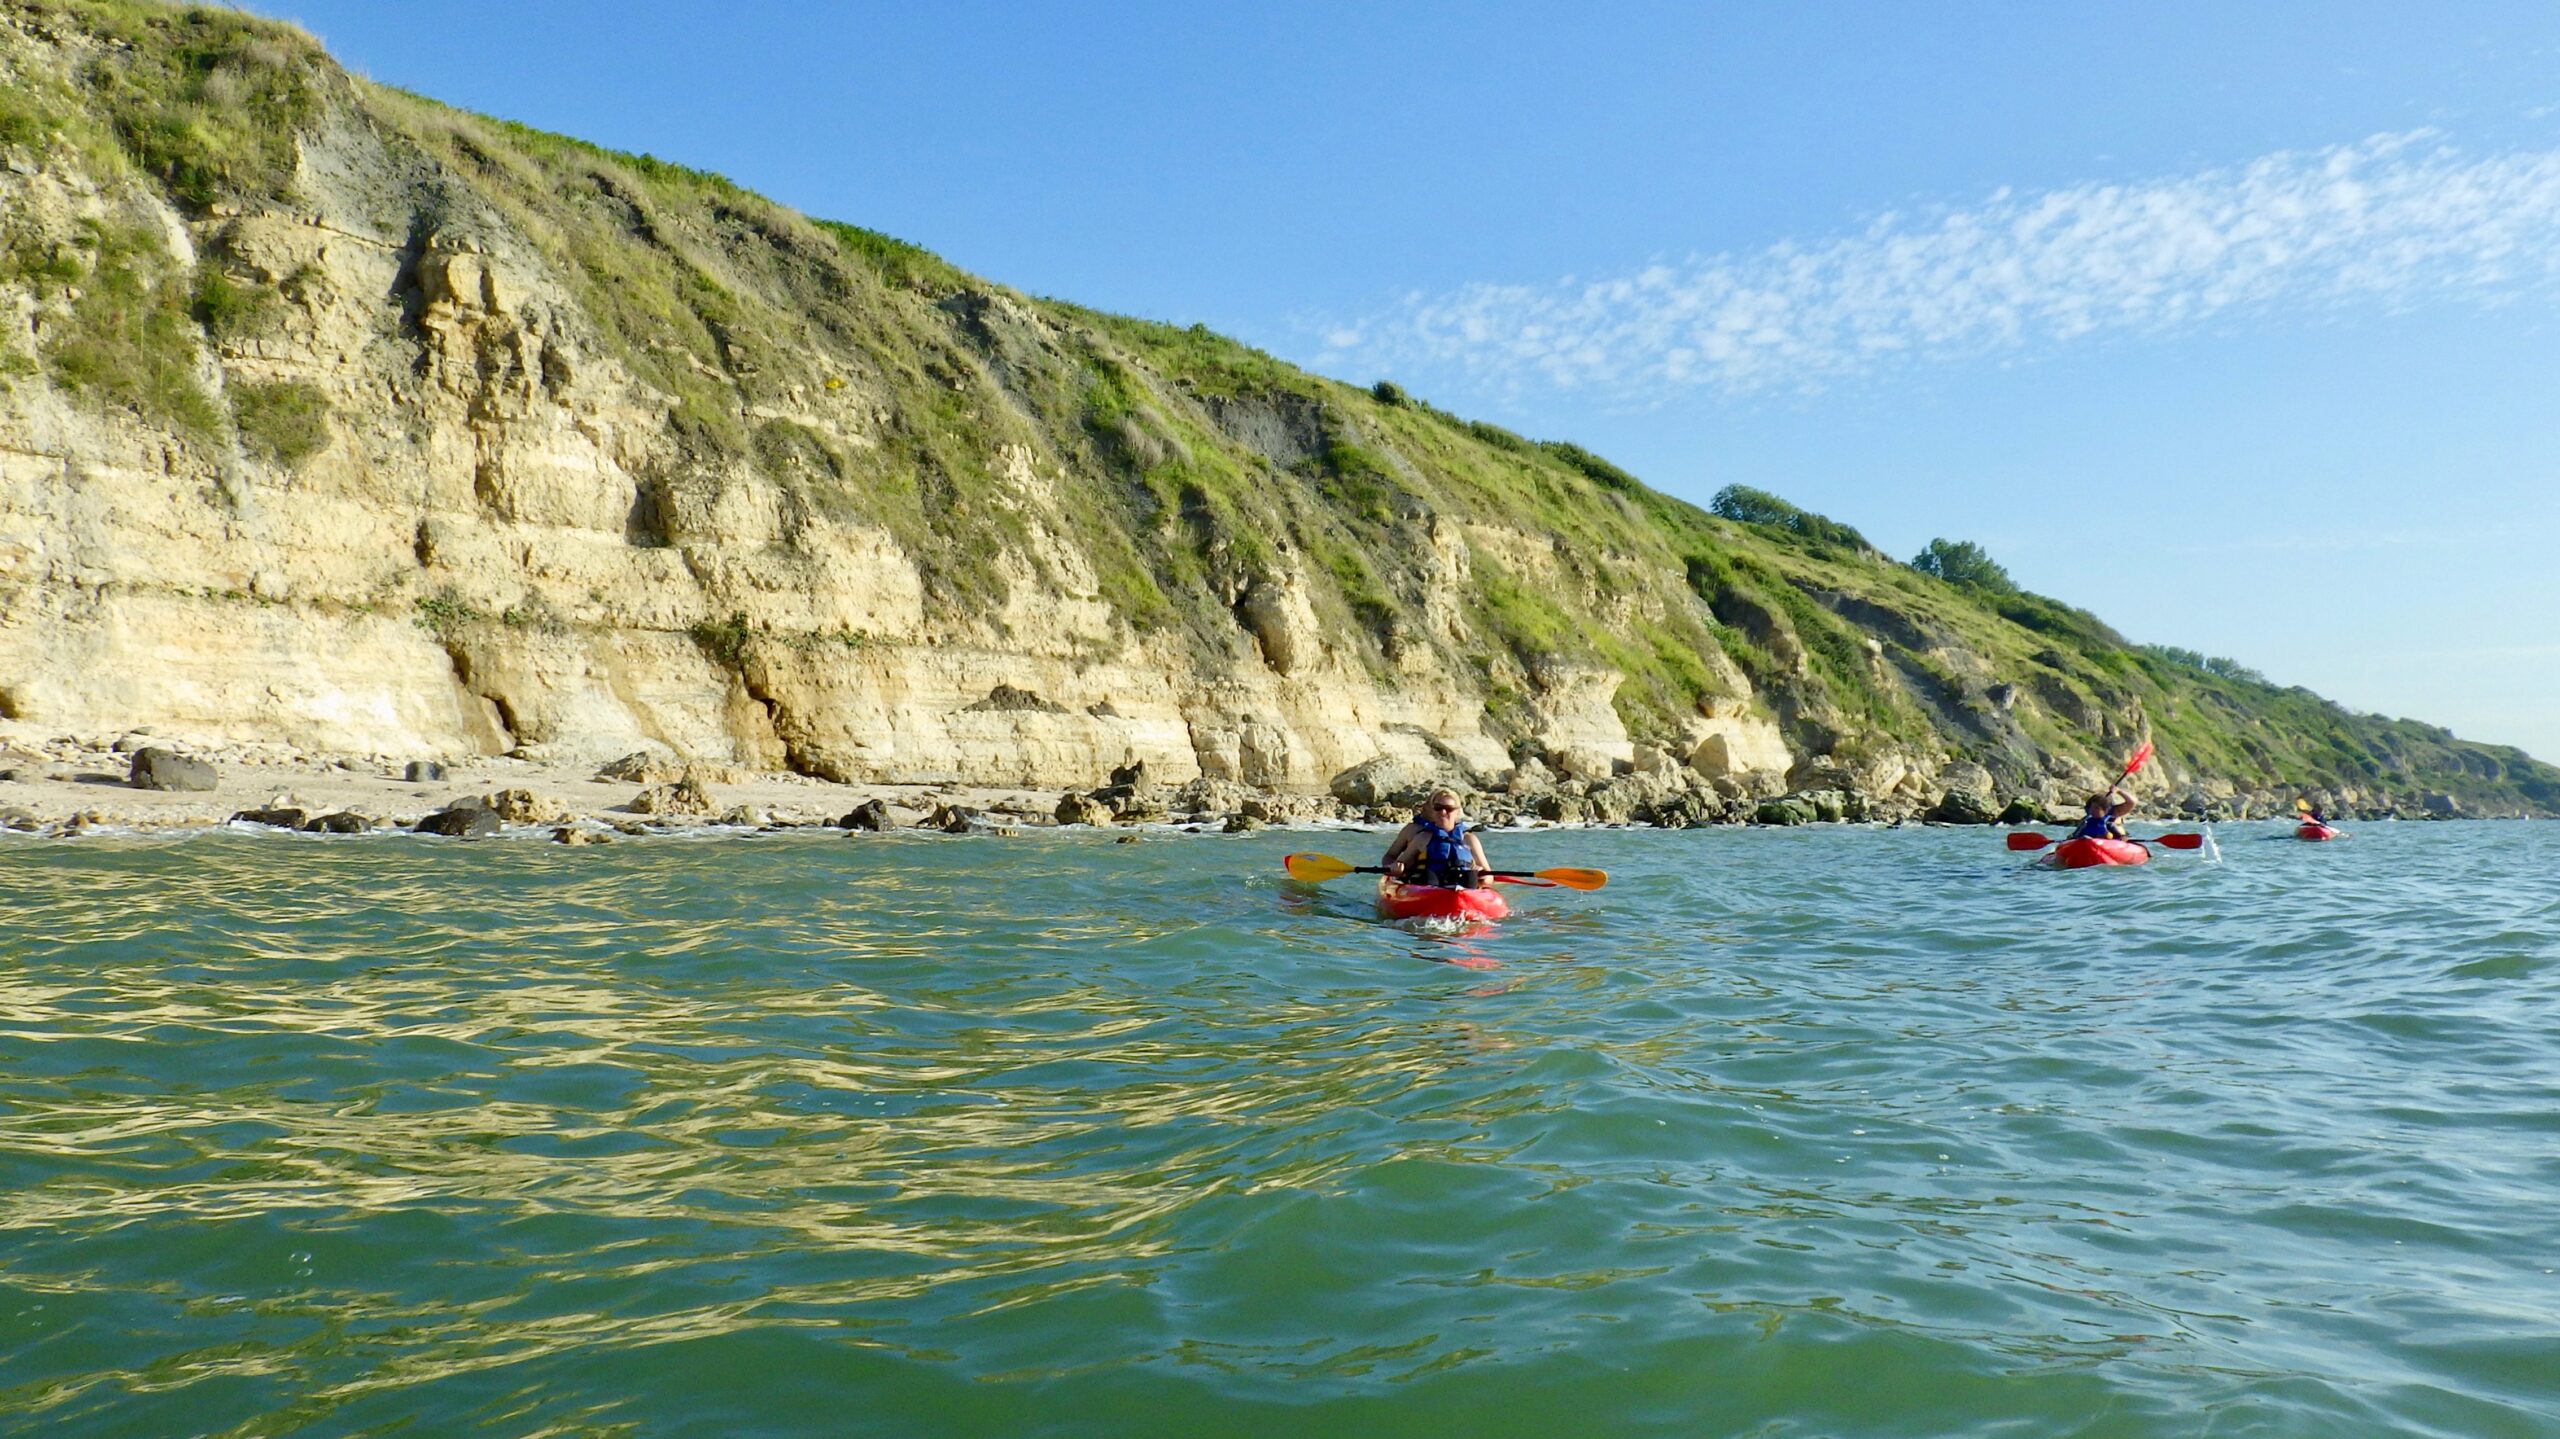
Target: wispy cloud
2389, 220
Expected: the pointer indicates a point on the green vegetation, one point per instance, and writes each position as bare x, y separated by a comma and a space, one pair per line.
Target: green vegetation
2215, 665
231, 309
284, 422
726, 641
1746, 506
129, 338
1962, 562
991, 435
207, 101
445, 614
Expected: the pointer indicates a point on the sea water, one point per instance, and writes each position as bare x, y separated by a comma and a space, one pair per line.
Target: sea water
1815, 1132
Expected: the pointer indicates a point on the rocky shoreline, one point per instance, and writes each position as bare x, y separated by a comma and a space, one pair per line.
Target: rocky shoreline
68, 785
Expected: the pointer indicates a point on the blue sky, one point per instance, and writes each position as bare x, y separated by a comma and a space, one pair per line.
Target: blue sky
2234, 324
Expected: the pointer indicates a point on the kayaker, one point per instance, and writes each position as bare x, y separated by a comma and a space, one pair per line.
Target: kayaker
2103, 816
1437, 847
2312, 813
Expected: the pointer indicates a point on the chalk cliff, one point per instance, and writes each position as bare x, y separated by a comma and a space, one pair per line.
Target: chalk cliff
338, 417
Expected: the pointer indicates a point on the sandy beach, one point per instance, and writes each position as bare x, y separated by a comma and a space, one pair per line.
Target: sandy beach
65, 785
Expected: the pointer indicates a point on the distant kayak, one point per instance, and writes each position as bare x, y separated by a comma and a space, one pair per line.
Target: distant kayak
2090, 853
1431, 901
2309, 830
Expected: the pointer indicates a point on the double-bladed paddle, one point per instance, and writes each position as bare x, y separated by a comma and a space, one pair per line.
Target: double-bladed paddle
1316, 868
2165, 841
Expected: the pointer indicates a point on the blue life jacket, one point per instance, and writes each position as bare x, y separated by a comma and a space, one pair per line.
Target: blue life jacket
2093, 827
1445, 856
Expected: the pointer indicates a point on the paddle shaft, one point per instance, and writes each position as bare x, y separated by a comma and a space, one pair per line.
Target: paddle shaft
1487, 873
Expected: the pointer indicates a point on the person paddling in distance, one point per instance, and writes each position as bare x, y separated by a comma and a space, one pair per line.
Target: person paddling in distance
2103, 816
1437, 848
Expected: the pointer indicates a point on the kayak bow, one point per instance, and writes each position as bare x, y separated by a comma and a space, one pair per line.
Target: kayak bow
2090, 853
1430, 901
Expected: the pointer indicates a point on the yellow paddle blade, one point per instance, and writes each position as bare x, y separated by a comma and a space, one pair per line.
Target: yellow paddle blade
2303, 805
1316, 868
1576, 878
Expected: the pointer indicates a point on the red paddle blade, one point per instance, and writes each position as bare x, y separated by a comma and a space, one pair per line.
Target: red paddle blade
2029, 841
2140, 758
2177, 841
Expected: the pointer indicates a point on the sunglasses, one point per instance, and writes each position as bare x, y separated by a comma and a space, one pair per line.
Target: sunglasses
1444, 809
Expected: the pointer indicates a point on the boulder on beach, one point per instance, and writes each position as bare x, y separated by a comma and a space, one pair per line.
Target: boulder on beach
2024, 810
422, 771
342, 822
1783, 811
687, 796
166, 769
872, 815
642, 767
1074, 808
523, 806
955, 819
1964, 806
1383, 780
462, 821
278, 818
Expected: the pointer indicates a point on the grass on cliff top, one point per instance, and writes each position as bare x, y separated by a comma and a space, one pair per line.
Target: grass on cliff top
205, 100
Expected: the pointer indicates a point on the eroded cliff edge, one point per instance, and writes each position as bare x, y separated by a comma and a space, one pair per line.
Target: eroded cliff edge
337, 417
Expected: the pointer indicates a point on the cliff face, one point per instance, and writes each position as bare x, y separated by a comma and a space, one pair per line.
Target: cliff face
336, 416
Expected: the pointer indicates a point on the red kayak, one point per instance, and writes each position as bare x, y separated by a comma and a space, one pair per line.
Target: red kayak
2309, 830
2089, 853
1431, 901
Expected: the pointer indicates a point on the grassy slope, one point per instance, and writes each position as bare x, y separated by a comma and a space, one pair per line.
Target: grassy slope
739, 311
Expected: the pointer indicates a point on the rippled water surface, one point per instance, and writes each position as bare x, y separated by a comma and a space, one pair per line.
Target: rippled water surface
1820, 1132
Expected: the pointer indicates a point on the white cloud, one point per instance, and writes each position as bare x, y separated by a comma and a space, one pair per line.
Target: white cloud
2387, 221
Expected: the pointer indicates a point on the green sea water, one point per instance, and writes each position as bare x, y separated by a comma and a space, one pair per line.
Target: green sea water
1816, 1132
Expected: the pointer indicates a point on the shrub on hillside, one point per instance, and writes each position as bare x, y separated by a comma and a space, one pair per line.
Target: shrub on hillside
1746, 506
1962, 562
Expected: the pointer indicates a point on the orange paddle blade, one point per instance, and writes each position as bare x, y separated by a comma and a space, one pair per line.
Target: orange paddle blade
2177, 841
2029, 841
2140, 758
1316, 868
1575, 878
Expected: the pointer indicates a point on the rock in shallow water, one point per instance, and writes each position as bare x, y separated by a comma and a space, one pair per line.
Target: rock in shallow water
279, 818
871, 814
461, 822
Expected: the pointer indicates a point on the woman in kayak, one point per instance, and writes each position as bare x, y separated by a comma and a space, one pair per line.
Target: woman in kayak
2104, 817
1437, 847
